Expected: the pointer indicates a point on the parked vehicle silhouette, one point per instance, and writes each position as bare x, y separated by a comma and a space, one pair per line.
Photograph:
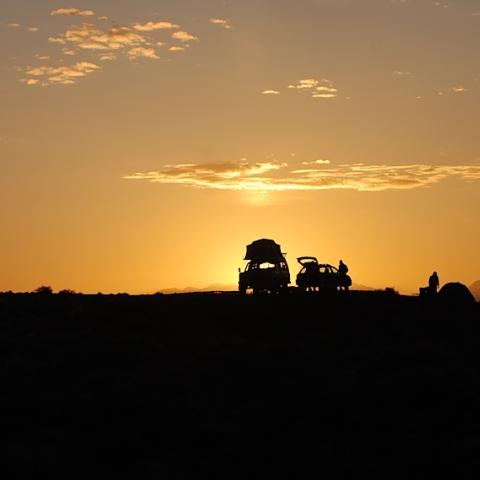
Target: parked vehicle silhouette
266, 270
323, 277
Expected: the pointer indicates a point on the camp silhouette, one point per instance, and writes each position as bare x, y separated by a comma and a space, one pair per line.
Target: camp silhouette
267, 271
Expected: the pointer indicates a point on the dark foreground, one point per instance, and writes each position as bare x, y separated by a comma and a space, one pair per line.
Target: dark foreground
259, 387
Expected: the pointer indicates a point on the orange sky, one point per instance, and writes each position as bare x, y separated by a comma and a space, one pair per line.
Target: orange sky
144, 145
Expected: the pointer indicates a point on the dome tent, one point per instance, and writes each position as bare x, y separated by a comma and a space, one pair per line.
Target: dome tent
456, 294
264, 250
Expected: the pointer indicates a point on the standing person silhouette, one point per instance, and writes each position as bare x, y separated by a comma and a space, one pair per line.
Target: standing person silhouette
433, 283
342, 273
342, 268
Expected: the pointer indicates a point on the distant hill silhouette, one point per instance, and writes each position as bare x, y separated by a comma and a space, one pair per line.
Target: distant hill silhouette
359, 286
475, 289
216, 287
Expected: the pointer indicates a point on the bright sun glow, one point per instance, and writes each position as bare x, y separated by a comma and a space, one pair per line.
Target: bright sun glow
257, 198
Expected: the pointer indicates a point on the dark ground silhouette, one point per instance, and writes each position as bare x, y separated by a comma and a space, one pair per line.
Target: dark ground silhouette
238, 387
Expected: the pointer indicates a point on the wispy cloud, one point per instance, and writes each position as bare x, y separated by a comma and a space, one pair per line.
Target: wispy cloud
92, 41
310, 86
222, 22
223, 175
59, 40
108, 57
152, 26
89, 37
317, 162
402, 73
184, 36
60, 75
305, 84
30, 81
457, 89
72, 12
258, 176
315, 88
13, 25
145, 52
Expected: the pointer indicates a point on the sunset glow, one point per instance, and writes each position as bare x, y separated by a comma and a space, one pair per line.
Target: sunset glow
144, 145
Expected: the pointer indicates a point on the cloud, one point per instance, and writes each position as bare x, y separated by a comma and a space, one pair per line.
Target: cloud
30, 81
59, 40
222, 22
305, 84
145, 52
223, 175
317, 162
72, 12
89, 37
248, 176
401, 73
108, 57
33, 29
63, 75
13, 25
104, 43
453, 90
325, 92
151, 26
270, 92
316, 88
184, 36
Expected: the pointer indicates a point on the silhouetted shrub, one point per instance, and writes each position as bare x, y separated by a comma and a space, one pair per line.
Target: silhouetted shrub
44, 290
391, 291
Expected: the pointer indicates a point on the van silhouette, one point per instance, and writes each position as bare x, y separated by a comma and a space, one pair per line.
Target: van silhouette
266, 270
